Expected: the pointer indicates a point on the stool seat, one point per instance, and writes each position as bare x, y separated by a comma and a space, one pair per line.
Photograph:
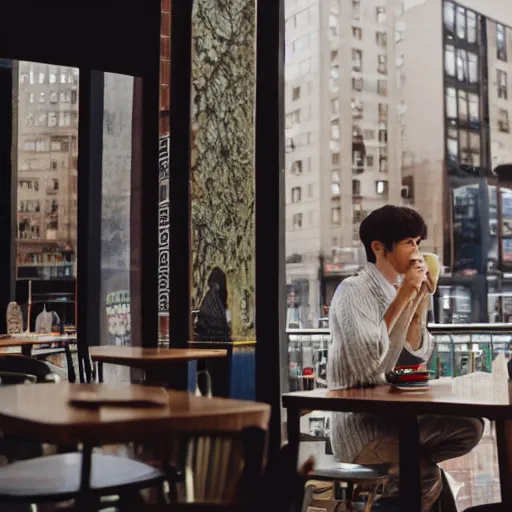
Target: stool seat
57, 477
350, 472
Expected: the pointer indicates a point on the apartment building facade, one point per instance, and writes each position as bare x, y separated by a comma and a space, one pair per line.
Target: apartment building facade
341, 139
46, 170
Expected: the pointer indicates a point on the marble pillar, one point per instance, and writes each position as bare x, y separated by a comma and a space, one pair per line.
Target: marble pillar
222, 169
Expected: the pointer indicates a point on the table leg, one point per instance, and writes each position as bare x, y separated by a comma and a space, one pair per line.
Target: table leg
100, 371
85, 500
503, 441
69, 362
293, 430
410, 486
26, 350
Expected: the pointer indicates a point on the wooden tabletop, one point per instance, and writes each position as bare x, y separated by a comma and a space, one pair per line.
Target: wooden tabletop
22, 340
43, 412
150, 357
473, 396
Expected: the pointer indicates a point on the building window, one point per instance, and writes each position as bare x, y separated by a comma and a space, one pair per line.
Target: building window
357, 109
335, 189
503, 124
335, 158
382, 64
336, 215
293, 118
501, 42
369, 134
356, 188
381, 38
461, 22
52, 119
383, 136
297, 167
335, 107
383, 160
357, 84
449, 60
502, 84
449, 16
472, 27
335, 130
383, 112
296, 93
41, 97
381, 187
382, 87
41, 78
451, 103
54, 97
356, 9
297, 221
357, 60
463, 106
357, 159
369, 160
381, 15
357, 33
31, 97
474, 108
473, 67
462, 66
296, 194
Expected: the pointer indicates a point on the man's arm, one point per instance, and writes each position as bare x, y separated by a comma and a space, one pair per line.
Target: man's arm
418, 325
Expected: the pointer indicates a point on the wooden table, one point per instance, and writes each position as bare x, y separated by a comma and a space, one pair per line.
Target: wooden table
154, 361
453, 397
28, 341
38, 413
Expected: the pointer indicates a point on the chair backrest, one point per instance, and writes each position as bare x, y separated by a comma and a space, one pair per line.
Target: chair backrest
217, 467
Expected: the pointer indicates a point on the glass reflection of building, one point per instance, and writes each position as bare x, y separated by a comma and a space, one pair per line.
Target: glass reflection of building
477, 246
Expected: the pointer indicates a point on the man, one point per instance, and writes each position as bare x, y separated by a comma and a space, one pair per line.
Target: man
374, 320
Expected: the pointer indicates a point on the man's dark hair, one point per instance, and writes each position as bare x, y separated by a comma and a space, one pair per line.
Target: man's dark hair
389, 225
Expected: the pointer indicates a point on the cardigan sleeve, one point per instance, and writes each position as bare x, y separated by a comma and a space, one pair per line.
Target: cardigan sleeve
363, 349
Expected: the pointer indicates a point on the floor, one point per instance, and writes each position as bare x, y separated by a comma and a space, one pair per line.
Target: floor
475, 476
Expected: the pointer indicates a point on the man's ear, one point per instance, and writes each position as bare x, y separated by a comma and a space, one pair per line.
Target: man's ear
377, 247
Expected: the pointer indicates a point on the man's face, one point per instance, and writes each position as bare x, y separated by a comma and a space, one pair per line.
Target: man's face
402, 254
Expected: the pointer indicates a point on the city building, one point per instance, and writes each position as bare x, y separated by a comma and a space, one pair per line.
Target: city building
47, 129
401, 103
341, 140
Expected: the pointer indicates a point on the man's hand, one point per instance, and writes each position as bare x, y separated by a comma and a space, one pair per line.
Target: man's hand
417, 273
